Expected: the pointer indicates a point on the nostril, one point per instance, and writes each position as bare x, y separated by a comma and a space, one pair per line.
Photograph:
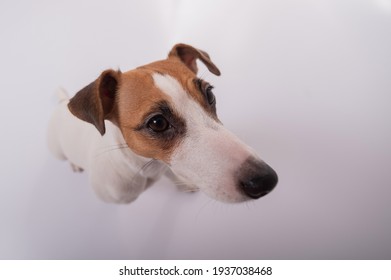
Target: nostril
259, 184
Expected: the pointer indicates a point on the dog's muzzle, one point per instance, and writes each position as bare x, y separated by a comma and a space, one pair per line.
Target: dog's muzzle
256, 178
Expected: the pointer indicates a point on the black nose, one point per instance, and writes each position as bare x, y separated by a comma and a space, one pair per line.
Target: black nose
257, 178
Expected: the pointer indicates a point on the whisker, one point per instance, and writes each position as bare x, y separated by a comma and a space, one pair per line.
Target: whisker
203, 74
181, 183
207, 202
249, 204
111, 148
145, 166
114, 146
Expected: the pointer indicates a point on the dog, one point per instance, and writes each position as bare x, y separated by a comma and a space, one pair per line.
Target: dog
128, 129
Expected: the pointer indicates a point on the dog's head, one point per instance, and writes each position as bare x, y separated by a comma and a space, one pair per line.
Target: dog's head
166, 112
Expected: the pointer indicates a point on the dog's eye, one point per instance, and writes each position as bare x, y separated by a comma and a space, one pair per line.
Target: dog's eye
209, 95
206, 90
158, 123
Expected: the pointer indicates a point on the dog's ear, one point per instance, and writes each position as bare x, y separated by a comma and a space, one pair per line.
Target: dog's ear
95, 102
189, 55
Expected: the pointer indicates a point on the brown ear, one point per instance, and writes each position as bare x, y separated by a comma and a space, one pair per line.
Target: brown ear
95, 102
189, 55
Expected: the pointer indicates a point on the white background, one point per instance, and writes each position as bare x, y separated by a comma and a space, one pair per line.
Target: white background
305, 83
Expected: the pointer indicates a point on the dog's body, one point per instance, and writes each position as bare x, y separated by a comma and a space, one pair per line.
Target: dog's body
128, 129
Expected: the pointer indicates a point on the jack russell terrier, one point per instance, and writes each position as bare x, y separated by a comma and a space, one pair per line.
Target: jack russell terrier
128, 129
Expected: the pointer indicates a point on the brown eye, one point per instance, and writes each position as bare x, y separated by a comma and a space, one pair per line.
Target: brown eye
209, 95
158, 123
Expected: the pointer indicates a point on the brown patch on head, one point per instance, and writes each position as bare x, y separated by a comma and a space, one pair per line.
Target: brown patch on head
181, 65
139, 102
189, 81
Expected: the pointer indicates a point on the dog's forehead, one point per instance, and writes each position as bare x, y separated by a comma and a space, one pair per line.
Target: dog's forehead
177, 72
173, 67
